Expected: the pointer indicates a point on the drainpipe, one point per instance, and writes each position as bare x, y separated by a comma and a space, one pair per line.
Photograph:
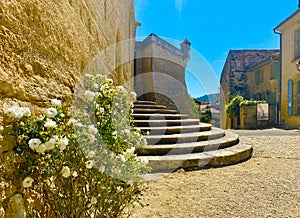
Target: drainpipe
280, 79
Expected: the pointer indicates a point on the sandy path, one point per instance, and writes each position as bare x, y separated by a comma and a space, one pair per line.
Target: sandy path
268, 185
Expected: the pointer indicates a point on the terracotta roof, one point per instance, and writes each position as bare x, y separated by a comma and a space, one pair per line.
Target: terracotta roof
287, 19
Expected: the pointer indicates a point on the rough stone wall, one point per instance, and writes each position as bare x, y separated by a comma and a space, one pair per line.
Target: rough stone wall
46, 45
161, 73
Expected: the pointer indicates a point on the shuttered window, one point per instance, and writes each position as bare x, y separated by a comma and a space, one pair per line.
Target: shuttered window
257, 77
272, 98
298, 43
290, 97
298, 98
276, 70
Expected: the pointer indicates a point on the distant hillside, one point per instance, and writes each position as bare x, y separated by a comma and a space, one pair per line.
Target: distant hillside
208, 98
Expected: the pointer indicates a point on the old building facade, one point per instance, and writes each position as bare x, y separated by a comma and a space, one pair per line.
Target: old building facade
234, 77
289, 31
263, 84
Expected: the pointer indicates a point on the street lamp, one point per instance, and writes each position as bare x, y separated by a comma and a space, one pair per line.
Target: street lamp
298, 65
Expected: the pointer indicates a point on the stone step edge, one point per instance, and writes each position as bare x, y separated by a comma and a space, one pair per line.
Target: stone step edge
154, 111
150, 106
214, 133
144, 102
159, 123
175, 129
219, 158
159, 116
230, 139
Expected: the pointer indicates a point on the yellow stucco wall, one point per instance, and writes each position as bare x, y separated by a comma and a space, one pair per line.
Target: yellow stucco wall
289, 72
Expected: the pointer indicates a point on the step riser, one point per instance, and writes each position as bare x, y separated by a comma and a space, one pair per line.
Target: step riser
145, 102
205, 161
173, 131
153, 111
171, 140
165, 123
159, 117
141, 106
152, 151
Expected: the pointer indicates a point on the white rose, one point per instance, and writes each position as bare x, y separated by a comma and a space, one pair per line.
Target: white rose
51, 143
89, 164
134, 95
96, 86
50, 124
15, 112
74, 174
26, 111
56, 102
41, 148
72, 121
66, 172
51, 112
27, 182
121, 157
34, 143
92, 129
62, 143
89, 96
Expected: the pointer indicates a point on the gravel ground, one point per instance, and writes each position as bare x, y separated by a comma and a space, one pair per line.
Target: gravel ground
267, 185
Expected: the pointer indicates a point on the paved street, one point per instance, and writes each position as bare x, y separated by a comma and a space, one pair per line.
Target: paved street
267, 132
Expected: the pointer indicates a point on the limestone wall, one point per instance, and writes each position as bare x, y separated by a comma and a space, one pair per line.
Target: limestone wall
160, 69
46, 45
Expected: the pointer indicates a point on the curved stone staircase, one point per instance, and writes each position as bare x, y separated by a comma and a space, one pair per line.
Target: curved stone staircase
176, 141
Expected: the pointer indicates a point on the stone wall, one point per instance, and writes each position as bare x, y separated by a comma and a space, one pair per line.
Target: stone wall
160, 69
46, 45
248, 118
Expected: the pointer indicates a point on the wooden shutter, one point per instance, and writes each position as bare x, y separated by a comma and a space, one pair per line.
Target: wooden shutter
290, 97
276, 70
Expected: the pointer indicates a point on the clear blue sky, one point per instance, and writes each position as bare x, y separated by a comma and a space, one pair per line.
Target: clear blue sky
213, 27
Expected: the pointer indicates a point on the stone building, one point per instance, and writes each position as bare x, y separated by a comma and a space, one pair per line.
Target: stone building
160, 72
289, 31
234, 77
263, 84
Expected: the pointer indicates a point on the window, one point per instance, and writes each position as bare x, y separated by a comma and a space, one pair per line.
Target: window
257, 77
276, 70
272, 98
298, 43
290, 97
263, 96
298, 98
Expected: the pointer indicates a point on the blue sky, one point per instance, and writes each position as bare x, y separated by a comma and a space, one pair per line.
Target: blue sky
213, 27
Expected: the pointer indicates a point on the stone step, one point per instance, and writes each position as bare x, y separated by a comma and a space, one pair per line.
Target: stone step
215, 133
160, 123
218, 158
167, 130
228, 140
150, 106
145, 102
153, 111
159, 116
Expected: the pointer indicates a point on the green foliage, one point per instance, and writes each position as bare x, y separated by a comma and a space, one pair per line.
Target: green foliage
195, 108
206, 118
251, 102
234, 103
80, 163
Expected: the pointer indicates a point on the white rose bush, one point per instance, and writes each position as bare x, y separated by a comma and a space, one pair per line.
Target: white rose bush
80, 163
